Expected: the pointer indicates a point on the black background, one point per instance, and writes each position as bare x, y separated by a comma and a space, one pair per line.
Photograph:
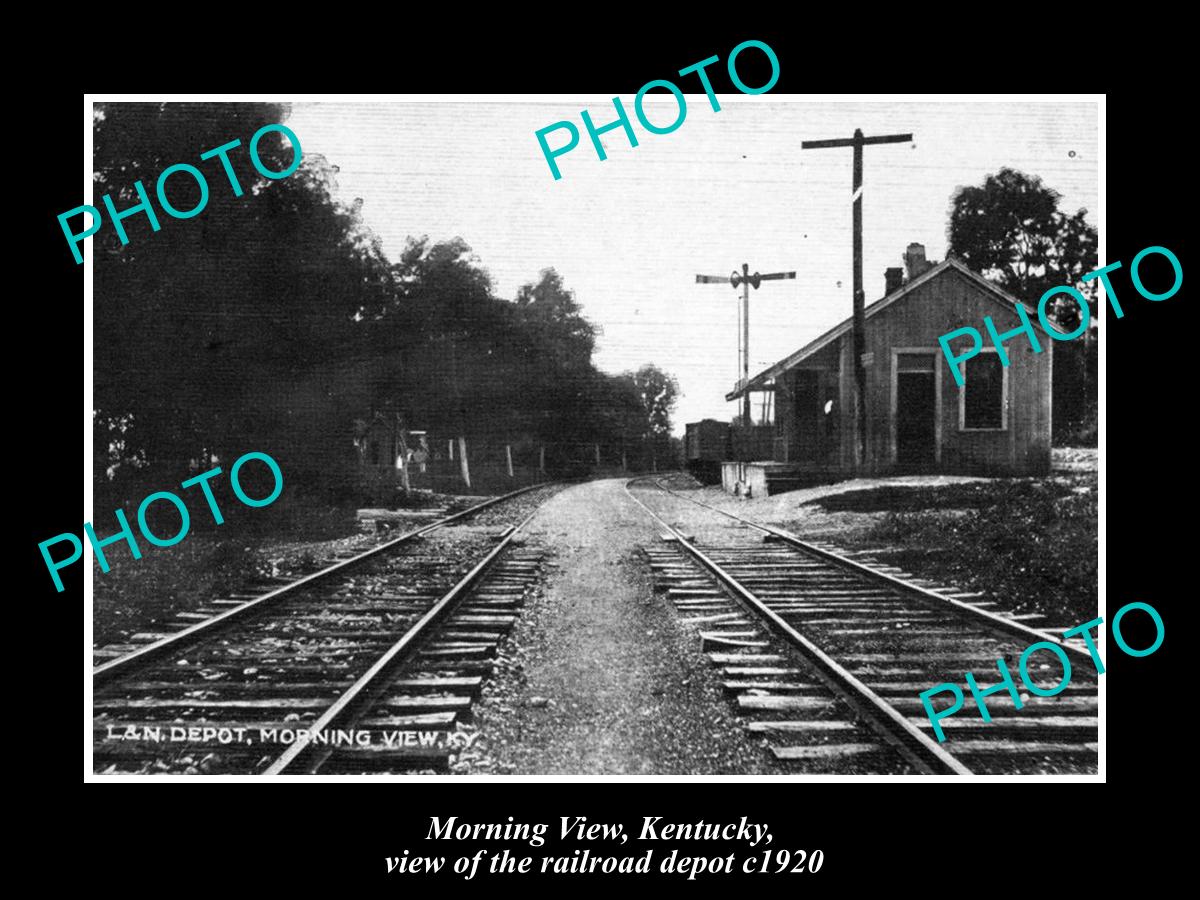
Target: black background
924, 835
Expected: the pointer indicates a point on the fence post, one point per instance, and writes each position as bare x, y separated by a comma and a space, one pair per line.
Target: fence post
508, 458
597, 454
402, 459
624, 463
542, 459
452, 449
462, 461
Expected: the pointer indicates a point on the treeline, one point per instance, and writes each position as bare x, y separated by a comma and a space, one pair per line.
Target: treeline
274, 322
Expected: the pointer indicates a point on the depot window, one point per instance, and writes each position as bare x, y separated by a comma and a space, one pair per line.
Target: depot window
983, 399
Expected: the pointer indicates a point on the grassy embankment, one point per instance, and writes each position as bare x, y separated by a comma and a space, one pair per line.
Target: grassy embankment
137, 595
1029, 543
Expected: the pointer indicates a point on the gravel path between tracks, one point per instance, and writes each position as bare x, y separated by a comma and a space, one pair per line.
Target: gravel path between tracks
598, 677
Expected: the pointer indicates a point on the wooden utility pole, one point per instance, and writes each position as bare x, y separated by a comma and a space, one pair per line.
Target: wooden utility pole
859, 326
745, 279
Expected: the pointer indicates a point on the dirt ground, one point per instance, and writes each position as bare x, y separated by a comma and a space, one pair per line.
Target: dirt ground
599, 677
796, 506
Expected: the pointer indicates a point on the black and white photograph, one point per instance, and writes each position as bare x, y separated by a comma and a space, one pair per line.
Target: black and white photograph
682, 434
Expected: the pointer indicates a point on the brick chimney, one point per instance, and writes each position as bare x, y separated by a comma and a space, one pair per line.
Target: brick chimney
893, 278
915, 261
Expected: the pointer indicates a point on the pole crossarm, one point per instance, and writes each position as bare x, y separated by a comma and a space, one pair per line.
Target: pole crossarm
860, 141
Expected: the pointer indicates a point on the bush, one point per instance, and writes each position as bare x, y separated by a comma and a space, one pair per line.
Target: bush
1031, 543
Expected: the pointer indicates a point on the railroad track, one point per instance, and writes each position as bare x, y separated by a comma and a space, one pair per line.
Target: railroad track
370, 664
827, 656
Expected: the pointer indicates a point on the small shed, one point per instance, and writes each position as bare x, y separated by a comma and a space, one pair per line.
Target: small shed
918, 419
380, 441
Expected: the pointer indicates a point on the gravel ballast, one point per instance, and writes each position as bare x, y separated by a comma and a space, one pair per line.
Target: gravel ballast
599, 677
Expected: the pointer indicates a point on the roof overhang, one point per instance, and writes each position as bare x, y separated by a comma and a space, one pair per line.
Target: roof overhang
760, 382
763, 379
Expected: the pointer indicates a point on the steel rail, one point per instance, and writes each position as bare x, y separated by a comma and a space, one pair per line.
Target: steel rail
131, 662
305, 756
919, 749
995, 620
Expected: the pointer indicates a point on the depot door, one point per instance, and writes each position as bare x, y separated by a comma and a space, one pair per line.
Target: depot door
807, 421
916, 411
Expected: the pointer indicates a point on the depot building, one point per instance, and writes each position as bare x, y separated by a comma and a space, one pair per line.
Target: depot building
918, 419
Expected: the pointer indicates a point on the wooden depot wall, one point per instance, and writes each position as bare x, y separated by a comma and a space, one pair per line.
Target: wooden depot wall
913, 324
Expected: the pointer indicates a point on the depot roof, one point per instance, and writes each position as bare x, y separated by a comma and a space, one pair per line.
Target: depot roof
759, 381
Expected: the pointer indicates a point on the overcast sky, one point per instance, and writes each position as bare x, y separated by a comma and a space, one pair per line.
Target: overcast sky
630, 234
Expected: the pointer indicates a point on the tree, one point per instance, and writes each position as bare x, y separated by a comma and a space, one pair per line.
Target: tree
656, 392
272, 321
552, 313
226, 332
1010, 229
